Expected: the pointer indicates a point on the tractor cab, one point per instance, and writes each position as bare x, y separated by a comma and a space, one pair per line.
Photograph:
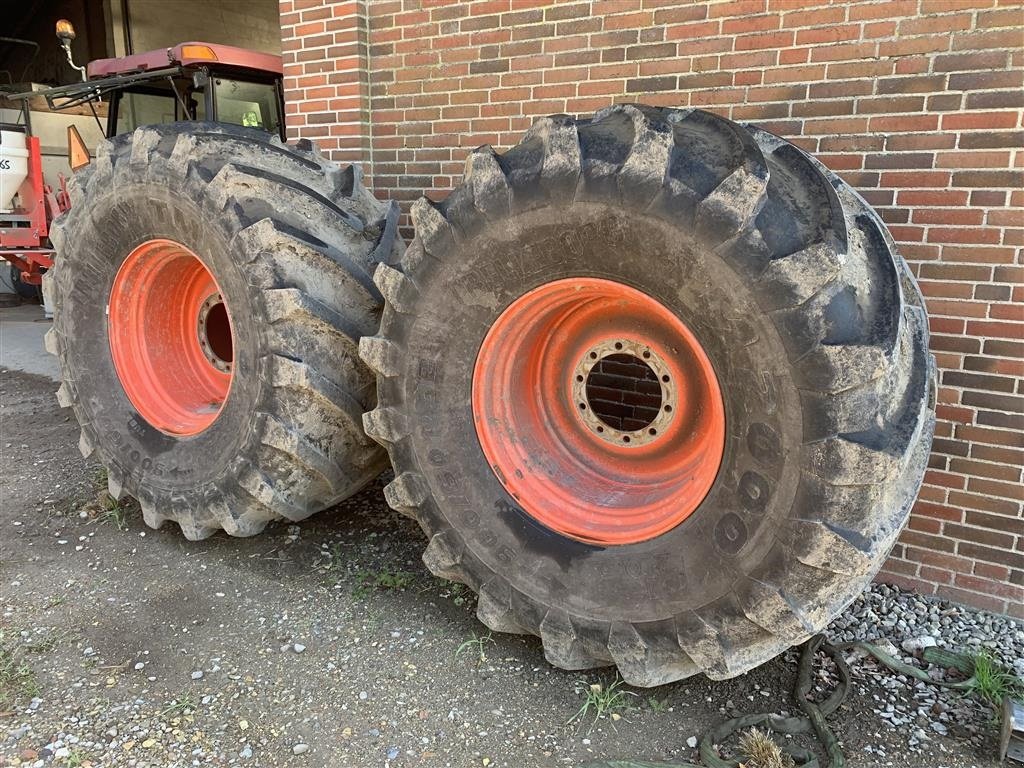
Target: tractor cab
187, 82
191, 81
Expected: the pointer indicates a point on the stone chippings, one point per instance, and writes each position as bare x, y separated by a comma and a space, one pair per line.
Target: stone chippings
923, 717
903, 624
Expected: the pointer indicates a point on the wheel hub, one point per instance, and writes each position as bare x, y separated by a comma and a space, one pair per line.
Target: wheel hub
210, 329
598, 410
624, 392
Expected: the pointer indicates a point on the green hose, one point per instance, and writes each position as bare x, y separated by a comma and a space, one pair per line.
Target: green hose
815, 715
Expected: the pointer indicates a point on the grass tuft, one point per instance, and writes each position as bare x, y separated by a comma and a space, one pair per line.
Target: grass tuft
993, 682
17, 680
113, 511
656, 704
367, 580
179, 706
476, 646
600, 700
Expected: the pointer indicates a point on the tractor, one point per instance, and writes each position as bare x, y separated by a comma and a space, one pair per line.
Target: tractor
655, 384
192, 81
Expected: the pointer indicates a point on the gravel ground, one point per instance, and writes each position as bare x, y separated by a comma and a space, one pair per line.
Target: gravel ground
328, 644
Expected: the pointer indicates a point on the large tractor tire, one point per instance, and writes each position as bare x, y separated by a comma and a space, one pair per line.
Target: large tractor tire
657, 386
210, 290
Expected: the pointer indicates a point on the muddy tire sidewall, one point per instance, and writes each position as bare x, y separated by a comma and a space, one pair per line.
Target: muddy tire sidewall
133, 214
696, 562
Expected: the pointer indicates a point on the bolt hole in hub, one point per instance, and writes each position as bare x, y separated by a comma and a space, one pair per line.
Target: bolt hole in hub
170, 337
599, 411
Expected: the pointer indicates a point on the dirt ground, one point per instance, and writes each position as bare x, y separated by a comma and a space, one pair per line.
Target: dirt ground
330, 639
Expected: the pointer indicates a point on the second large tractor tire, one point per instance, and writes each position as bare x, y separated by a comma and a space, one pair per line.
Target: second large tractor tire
657, 386
210, 288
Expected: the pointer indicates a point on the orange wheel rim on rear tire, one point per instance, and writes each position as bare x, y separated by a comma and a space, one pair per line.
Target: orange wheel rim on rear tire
599, 411
170, 337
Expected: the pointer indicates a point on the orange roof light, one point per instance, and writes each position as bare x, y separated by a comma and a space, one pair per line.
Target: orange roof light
198, 52
65, 30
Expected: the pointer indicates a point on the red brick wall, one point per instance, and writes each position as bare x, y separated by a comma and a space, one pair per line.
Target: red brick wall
324, 45
917, 103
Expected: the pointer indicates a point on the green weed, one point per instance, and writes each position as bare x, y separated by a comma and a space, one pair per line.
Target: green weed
476, 646
113, 512
459, 592
179, 706
46, 643
76, 758
334, 556
600, 700
993, 682
17, 680
397, 580
657, 705
367, 580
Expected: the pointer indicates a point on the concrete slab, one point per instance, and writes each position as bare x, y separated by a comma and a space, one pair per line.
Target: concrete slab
21, 341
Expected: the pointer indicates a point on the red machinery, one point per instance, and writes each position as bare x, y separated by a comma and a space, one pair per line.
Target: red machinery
25, 232
190, 81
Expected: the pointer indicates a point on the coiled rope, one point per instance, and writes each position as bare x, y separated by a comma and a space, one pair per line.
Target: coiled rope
815, 714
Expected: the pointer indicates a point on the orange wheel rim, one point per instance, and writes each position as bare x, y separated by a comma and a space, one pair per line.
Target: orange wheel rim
599, 411
170, 337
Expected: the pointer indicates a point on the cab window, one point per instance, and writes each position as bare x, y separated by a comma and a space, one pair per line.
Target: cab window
250, 104
156, 105
135, 109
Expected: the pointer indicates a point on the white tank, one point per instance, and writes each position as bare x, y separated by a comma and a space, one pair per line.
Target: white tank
13, 167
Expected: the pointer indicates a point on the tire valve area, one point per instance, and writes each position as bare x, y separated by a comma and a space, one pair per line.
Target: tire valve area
624, 392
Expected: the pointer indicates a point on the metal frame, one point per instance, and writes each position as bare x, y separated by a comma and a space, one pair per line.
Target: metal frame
79, 93
114, 105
